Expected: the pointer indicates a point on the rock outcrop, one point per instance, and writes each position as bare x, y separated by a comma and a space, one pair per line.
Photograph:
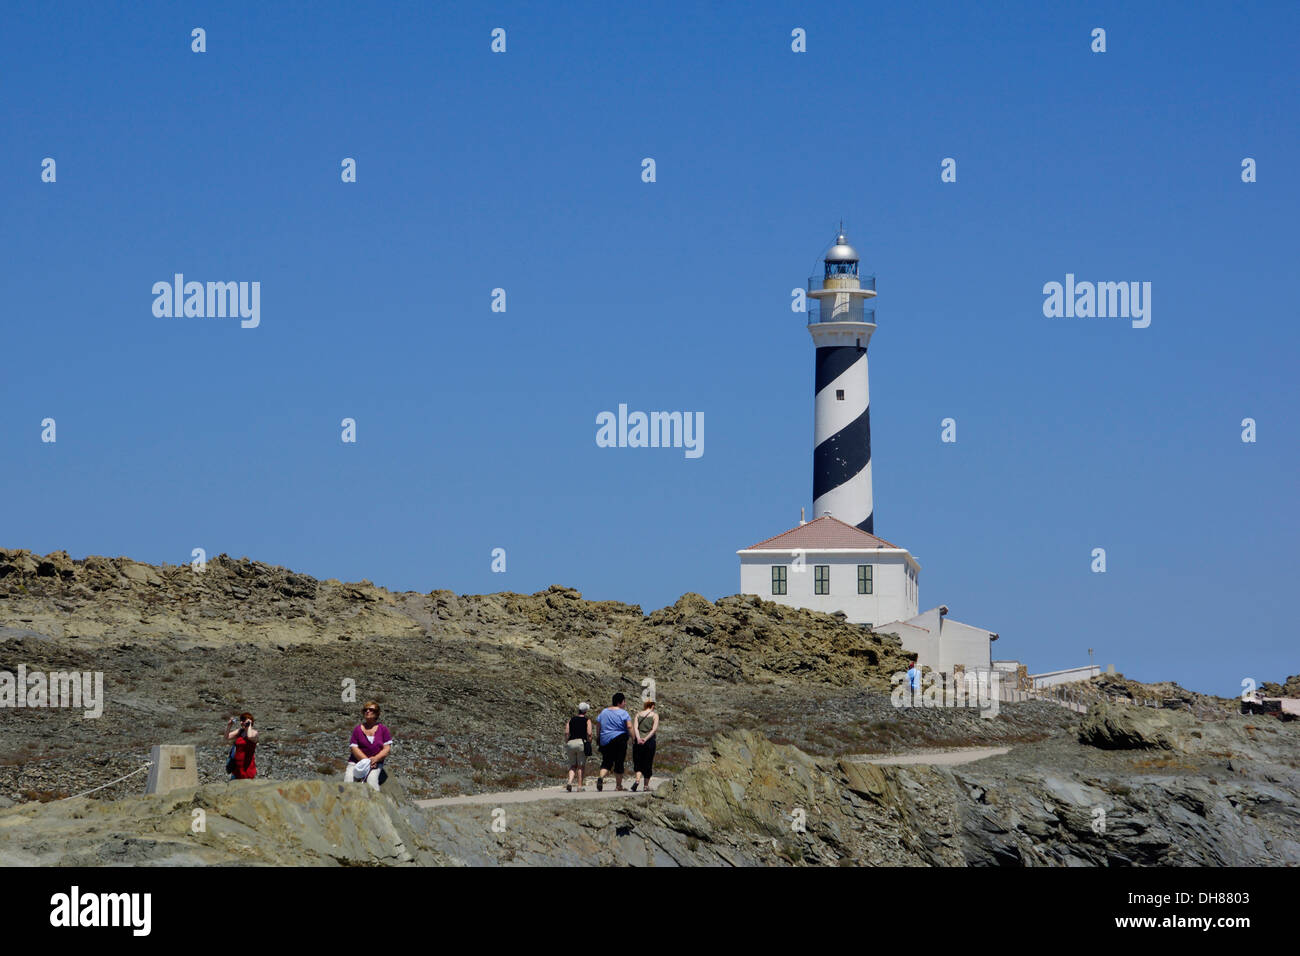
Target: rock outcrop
1289, 688
293, 822
1127, 727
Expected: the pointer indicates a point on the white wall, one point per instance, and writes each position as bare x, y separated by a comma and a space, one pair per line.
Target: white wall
1066, 676
942, 646
891, 598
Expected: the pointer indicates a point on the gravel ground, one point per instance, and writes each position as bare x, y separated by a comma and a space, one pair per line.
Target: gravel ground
468, 716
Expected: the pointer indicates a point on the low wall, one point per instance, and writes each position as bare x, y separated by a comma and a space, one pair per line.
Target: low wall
1067, 676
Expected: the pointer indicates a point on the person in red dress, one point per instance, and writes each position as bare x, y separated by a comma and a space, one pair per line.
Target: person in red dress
243, 736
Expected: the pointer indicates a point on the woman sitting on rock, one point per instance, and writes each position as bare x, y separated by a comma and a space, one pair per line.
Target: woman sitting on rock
371, 742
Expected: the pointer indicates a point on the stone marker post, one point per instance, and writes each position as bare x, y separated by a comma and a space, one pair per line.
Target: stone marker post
174, 768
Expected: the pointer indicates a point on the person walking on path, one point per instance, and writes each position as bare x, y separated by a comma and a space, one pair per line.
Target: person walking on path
643, 748
243, 740
370, 744
615, 728
577, 744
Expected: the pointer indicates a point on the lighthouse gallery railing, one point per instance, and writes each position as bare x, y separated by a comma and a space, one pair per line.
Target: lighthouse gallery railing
844, 313
817, 283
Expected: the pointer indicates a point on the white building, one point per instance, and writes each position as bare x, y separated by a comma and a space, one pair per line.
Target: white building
941, 643
829, 565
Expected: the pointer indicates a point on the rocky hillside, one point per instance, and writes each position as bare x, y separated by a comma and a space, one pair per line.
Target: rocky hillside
1134, 787
98, 601
765, 711
1167, 693
475, 687
1290, 688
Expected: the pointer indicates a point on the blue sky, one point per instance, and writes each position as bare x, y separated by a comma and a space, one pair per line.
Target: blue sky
522, 170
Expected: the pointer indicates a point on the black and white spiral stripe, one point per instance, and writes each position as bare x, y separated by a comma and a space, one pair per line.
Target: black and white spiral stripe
842, 442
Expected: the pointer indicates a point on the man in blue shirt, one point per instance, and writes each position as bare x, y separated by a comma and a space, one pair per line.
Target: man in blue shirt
615, 727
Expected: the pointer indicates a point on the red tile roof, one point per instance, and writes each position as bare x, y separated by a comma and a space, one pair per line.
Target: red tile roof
823, 532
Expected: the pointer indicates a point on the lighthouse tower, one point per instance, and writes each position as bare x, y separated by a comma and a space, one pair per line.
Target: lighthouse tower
835, 563
841, 327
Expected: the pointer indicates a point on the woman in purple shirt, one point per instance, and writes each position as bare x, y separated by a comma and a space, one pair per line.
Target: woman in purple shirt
371, 742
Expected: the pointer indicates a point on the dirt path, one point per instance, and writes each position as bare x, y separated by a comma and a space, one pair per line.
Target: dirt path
936, 758
589, 792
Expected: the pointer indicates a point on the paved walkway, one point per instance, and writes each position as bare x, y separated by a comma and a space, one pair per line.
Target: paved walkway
937, 758
589, 792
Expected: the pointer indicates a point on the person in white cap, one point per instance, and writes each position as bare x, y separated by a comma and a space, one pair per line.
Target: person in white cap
577, 744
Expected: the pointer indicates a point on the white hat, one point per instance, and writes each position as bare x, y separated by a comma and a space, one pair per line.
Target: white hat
362, 769
584, 707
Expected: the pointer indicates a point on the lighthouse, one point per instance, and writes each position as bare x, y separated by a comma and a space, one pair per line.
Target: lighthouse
835, 563
841, 327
